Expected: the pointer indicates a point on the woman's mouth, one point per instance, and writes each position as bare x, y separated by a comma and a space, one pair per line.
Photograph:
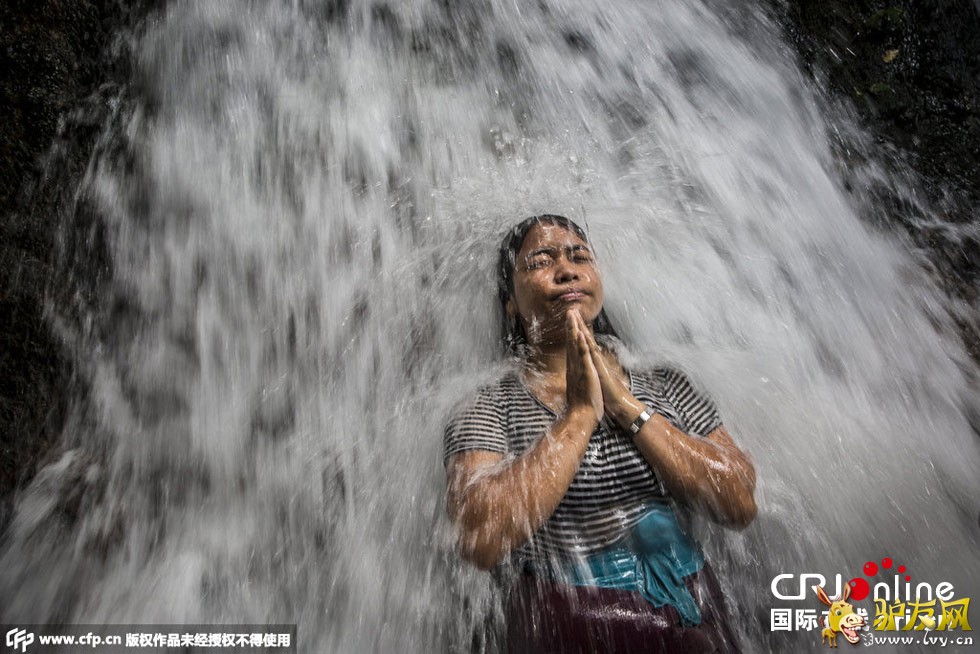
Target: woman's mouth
571, 296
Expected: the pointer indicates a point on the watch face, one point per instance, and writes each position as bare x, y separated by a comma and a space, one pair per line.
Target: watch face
639, 422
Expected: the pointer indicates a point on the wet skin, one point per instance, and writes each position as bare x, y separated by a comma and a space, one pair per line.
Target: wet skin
555, 271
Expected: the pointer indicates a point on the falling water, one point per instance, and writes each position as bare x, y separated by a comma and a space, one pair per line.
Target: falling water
302, 202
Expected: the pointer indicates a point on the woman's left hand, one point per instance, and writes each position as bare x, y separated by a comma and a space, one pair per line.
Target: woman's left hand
617, 397
710, 471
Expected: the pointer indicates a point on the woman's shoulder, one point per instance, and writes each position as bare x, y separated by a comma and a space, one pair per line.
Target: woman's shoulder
491, 390
665, 379
651, 378
479, 419
660, 373
693, 408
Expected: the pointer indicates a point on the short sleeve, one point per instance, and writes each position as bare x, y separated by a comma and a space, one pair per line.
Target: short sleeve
695, 408
477, 424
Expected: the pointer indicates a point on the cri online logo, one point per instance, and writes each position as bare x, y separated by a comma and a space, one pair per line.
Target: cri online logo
899, 603
19, 638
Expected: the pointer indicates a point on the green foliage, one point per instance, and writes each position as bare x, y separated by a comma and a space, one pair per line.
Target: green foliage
888, 17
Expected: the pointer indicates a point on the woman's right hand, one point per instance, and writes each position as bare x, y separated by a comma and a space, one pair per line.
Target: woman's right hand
583, 389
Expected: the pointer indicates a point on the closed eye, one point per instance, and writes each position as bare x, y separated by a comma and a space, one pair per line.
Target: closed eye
545, 257
539, 259
580, 254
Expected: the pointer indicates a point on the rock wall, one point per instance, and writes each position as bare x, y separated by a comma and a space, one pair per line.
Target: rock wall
54, 56
911, 68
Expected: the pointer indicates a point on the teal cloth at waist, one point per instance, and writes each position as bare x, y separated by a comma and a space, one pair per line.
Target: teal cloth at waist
653, 561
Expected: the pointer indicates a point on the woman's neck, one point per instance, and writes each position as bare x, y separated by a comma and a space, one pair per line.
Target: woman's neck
547, 360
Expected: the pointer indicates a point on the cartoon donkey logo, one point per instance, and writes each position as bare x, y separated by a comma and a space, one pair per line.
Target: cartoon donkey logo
841, 618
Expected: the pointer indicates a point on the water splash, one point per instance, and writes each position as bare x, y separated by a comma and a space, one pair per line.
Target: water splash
304, 201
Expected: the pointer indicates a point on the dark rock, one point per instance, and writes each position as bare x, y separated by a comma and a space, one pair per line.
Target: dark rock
911, 69
54, 56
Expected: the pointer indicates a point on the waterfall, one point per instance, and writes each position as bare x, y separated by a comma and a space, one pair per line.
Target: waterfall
302, 202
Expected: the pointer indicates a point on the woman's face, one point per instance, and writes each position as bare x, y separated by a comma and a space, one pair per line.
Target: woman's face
555, 271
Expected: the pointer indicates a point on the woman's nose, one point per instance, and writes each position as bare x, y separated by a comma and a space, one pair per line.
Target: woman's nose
565, 271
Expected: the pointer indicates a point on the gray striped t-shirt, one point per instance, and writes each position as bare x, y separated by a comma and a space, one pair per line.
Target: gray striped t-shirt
613, 483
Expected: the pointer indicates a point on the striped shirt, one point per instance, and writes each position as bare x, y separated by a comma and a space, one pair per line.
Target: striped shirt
613, 482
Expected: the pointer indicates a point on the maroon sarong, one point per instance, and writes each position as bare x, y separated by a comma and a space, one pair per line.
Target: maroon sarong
547, 616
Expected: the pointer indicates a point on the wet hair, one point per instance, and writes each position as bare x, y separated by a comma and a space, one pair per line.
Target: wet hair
512, 332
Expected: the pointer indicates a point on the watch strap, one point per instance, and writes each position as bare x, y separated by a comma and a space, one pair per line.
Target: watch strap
641, 420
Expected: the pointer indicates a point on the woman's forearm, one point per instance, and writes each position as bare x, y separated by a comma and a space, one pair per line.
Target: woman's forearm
498, 507
707, 472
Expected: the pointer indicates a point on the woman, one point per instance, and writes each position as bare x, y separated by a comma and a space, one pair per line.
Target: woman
566, 471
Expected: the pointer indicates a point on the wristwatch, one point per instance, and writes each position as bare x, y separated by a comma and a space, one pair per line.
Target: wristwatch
641, 420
